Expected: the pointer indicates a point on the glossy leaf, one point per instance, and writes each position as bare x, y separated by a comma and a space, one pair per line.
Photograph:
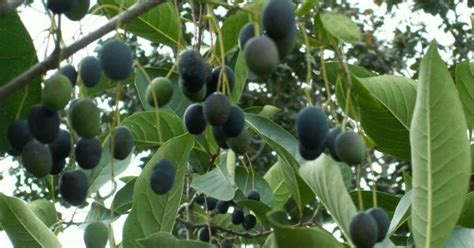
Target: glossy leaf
215, 183
440, 154
230, 31
275, 178
384, 200
247, 181
465, 87
123, 199
44, 210
241, 74
401, 212
340, 26
162, 239
467, 215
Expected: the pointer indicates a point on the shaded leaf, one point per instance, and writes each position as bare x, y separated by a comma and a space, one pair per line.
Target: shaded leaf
340, 26
44, 210
275, 178
467, 215
215, 183
401, 213
230, 31
465, 87
162, 239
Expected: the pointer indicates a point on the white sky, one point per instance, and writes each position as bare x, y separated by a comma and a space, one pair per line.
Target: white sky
38, 23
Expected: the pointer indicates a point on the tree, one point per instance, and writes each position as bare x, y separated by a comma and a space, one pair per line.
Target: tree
274, 174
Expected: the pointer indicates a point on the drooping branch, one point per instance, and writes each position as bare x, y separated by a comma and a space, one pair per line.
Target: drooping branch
6, 6
52, 60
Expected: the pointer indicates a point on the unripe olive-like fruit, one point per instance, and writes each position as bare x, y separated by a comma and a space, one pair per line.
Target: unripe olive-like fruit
37, 159
162, 177
350, 148
278, 18
211, 203
363, 230
219, 137
247, 32
85, 118
43, 123
197, 96
88, 153
78, 11
218, 74
383, 222
70, 72
96, 235
90, 71
331, 141
222, 207
203, 234
73, 187
18, 134
254, 195
123, 142
60, 6
249, 222
194, 119
61, 146
116, 60
56, 92
261, 56
237, 217
216, 109
286, 44
58, 166
309, 154
312, 127
241, 143
159, 92
194, 71
235, 123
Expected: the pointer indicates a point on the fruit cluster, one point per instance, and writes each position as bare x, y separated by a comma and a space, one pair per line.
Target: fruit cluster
44, 146
369, 227
74, 10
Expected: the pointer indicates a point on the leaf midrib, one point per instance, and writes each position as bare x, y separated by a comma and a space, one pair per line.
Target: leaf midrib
428, 156
22, 224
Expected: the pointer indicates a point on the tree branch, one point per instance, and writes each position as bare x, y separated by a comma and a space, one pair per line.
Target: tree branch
52, 60
8, 5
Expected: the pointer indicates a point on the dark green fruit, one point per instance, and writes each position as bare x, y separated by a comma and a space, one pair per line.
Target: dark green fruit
203, 234
194, 119
249, 222
241, 143
73, 187
116, 60
211, 203
286, 44
278, 18
90, 71
309, 154
37, 159
331, 140
18, 134
235, 123
123, 142
197, 96
222, 207
193, 70
70, 72
88, 153
215, 243
60, 6
382, 220
43, 123
85, 118
254, 195
162, 177
159, 92
219, 137
200, 199
61, 146
350, 148
261, 56
237, 217
312, 127
56, 93
246, 33
363, 230
58, 166
78, 11
96, 235
216, 109
216, 75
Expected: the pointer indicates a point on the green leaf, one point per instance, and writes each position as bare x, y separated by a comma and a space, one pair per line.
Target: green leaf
123, 199
401, 213
167, 240
98, 212
325, 179
257, 207
461, 238
241, 74
230, 31
333, 70
305, 7
340, 26
385, 200
275, 178
285, 145
160, 25
247, 181
215, 183
17, 54
153, 213
465, 86
23, 227
146, 131
44, 210
386, 106
440, 154
467, 215
289, 236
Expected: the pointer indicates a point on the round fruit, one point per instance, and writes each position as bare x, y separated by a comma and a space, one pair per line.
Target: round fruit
85, 118
61, 146
241, 143
197, 96
200, 199
123, 142
237, 217
73, 187
254, 195
60, 6
235, 123
222, 207
261, 55
350, 148
216, 109
331, 140
162, 177
211, 203
116, 60
159, 92
18, 134
249, 222
78, 11
286, 44
278, 18
309, 154
363, 230
312, 127
194, 71
216, 75
203, 234
58, 166
382, 220
43, 123
194, 119
70, 72
56, 92
96, 235
246, 33
219, 137
90, 71
88, 153
37, 159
